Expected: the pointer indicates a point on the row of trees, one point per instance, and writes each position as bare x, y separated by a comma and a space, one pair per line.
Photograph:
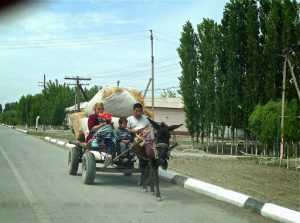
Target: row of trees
49, 105
229, 68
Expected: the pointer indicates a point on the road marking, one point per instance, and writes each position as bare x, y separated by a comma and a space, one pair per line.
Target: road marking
39, 212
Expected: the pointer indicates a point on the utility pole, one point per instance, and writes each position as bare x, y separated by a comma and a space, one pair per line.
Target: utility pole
152, 63
286, 60
77, 80
145, 92
294, 78
44, 86
282, 108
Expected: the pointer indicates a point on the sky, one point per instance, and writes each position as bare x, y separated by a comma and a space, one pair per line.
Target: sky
105, 40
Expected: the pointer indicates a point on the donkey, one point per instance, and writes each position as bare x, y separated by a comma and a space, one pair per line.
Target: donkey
151, 160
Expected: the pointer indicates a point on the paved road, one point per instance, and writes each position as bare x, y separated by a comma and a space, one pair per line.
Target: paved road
35, 187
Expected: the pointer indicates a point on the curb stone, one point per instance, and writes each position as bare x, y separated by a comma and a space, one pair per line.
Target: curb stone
268, 210
13, 127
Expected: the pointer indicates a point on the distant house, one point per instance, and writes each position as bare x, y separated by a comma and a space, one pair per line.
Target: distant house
73, 109
168, 110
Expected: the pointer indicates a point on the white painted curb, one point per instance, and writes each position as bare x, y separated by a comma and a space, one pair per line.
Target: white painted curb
168, 175
280, 213
61, 143
53, 140
69, 145
47, 138
216, 192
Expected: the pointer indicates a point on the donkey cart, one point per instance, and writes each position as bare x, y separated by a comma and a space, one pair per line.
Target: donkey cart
81, 153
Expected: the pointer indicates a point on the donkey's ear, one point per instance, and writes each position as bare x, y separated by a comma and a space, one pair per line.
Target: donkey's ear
172, 127
153, 123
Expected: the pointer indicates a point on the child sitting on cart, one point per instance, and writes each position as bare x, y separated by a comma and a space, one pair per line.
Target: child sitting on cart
124, 138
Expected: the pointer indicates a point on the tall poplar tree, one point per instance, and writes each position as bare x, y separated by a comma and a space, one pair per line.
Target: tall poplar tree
188, 80
208, 34
253, 76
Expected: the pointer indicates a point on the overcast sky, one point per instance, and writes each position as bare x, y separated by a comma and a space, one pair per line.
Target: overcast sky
106, 40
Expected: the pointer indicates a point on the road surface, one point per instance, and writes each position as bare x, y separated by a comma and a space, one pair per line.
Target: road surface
35, 187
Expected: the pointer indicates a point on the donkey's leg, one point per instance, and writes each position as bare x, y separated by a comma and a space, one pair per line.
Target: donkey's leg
152, 179
143, 166
148, 176
156, 179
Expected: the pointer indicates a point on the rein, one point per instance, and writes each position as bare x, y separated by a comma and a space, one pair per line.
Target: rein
139, 155
161, 145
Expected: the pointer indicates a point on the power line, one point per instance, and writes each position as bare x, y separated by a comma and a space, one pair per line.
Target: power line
164, 34
72, 38
87, 40
166, 41
73, 44
68, 42
159, 60
132, 73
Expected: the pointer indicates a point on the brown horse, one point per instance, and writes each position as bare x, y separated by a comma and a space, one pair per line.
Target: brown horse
150, 161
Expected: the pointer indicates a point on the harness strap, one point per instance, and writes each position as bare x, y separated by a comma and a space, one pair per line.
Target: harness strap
162, 145
152, 133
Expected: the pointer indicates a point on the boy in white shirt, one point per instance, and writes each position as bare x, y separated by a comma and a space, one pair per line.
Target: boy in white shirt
137, 121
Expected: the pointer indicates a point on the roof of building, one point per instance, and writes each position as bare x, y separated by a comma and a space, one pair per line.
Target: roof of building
74, 107
164, 102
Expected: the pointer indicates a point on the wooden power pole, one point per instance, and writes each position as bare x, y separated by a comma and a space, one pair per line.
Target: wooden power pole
45, 103
77, 84
286, 60
282, 108
152, 73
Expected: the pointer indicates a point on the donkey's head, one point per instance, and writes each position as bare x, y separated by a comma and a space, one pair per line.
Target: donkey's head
163, 134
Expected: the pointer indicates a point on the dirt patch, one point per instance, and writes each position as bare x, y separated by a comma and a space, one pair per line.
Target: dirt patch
266, 183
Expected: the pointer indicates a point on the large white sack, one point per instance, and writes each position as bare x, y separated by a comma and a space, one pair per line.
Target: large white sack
89, 109
119, 104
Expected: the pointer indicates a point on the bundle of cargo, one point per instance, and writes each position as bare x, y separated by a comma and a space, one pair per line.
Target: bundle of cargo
117, 100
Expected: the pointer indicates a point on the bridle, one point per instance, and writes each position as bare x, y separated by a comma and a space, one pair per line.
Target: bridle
162, 145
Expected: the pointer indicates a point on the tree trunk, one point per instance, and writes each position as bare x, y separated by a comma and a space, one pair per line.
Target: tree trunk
287, 157
245, 141
256, 145
236, 141
208, 139
232, 140
202, 137
217, 142
223, 137
193, 141
213, 133
228, 133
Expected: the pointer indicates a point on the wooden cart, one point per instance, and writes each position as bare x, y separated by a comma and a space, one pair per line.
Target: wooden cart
81, 153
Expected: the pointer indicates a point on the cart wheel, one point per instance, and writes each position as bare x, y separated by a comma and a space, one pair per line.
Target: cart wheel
73, 161
88, 168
